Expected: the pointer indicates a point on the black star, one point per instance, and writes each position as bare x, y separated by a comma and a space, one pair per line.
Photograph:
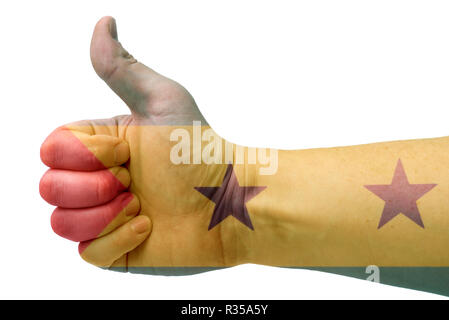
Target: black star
230, 199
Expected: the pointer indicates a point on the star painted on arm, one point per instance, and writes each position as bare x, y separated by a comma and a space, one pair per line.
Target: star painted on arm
400, 197
230, 199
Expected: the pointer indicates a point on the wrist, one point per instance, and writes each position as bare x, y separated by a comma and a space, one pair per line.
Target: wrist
284, 225
254, 167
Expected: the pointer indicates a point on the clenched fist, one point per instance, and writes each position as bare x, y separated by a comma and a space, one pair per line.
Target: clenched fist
124, 191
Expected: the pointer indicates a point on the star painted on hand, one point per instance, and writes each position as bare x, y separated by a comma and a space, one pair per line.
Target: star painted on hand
230, 199
400, 197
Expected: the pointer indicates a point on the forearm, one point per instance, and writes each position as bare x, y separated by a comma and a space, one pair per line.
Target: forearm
318, 209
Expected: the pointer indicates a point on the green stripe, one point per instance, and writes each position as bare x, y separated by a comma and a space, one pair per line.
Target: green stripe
429, 279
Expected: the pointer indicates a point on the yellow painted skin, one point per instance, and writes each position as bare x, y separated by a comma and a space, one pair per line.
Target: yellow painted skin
315, 210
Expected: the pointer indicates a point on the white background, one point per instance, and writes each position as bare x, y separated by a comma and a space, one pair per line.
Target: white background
286, 74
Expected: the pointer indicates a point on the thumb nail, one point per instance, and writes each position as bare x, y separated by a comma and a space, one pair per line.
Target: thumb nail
113, 29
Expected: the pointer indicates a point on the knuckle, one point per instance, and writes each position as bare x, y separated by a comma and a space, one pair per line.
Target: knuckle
51, 188
102, 185
49, 152
57, 222
121, 239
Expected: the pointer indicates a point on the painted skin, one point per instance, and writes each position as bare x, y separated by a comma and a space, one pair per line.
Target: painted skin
91, 172
129, 206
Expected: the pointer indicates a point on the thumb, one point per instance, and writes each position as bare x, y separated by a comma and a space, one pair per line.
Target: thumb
130, 80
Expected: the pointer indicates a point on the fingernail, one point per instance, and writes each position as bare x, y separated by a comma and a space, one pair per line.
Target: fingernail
113, 29
140, 224
132, 205
122, 176
121, 152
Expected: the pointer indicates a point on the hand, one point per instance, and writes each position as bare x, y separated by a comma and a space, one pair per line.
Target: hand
113, 183
134, 204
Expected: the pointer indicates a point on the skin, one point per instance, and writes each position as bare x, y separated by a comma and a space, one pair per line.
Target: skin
120, 196
78, 181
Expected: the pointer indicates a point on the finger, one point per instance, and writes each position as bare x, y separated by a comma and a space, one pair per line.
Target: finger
74, 150
104, 251
94, 222
78, 189
130, 80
